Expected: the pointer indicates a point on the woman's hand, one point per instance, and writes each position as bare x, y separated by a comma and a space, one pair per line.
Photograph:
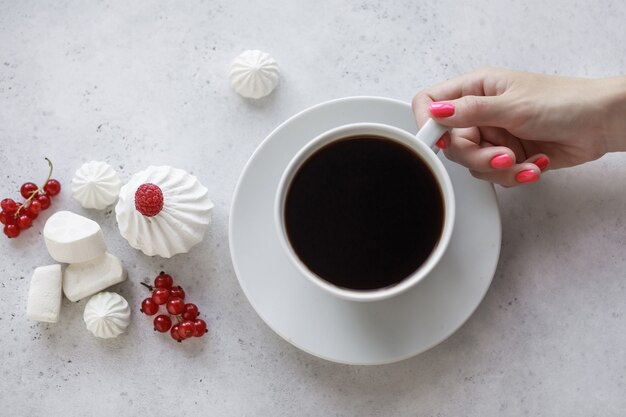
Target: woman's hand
511, 126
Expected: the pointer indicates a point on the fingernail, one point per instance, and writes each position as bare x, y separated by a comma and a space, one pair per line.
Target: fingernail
528, 175
501, 161
441, 108
542, 162
441, 144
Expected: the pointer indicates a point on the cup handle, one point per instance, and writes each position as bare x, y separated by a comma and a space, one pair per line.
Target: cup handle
430, 133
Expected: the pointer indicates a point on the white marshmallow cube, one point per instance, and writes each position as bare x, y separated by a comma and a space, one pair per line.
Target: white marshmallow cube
83, 279
71, 238
44, 295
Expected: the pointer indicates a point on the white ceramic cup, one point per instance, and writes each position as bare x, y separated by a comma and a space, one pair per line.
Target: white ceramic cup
422, 144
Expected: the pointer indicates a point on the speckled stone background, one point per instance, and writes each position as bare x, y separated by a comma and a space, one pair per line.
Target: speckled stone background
145, 82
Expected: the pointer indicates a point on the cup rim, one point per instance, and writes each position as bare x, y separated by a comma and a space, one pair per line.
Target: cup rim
389, 132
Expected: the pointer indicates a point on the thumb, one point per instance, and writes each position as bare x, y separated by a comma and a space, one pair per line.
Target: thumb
469, 111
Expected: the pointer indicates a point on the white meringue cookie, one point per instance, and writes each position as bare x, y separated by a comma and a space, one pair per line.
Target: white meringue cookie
254, 74
107, 315
181, 222
96, 185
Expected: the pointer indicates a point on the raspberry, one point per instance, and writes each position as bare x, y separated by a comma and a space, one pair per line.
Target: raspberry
148, 199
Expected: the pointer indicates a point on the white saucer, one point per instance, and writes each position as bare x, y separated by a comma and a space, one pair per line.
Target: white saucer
364, 333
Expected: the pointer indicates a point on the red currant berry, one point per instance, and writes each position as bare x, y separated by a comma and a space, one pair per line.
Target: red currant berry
32, 216
52, 187
6, 218
174, 333
175, 305
149, 307
34, 208
44, 200
177, 292
200, 328
190, 312
186, 329
28, 188
11, 230
162, 323
160, 295
24, 222
8, 205
30, 213
163, 280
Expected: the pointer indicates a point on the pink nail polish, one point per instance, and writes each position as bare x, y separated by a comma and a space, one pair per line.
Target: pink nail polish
528, 175
501, 161
542, 162
441, 108
441, 144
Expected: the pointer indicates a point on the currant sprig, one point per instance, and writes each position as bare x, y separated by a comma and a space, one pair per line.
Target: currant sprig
19, 216
164, 293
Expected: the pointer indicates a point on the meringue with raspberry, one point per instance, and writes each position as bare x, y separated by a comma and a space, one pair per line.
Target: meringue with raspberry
163, 211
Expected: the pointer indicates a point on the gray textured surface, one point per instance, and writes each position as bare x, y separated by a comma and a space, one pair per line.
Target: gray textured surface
145, 82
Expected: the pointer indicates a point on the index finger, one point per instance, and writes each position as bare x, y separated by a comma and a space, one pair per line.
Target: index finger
467, 84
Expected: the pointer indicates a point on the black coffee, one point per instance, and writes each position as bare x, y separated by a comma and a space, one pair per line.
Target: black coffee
364, 212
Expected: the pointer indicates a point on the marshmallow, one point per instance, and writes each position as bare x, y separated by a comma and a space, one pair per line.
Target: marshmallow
81, 280
44, 295
71, 238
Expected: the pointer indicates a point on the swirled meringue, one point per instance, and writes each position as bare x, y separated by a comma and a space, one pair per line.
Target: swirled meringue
254, 74
107, 315
96, 185
182, 220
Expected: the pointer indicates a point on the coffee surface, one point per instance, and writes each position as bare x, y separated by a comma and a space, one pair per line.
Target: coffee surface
364, 213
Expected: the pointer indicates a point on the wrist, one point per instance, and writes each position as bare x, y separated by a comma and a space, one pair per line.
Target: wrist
614, 113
